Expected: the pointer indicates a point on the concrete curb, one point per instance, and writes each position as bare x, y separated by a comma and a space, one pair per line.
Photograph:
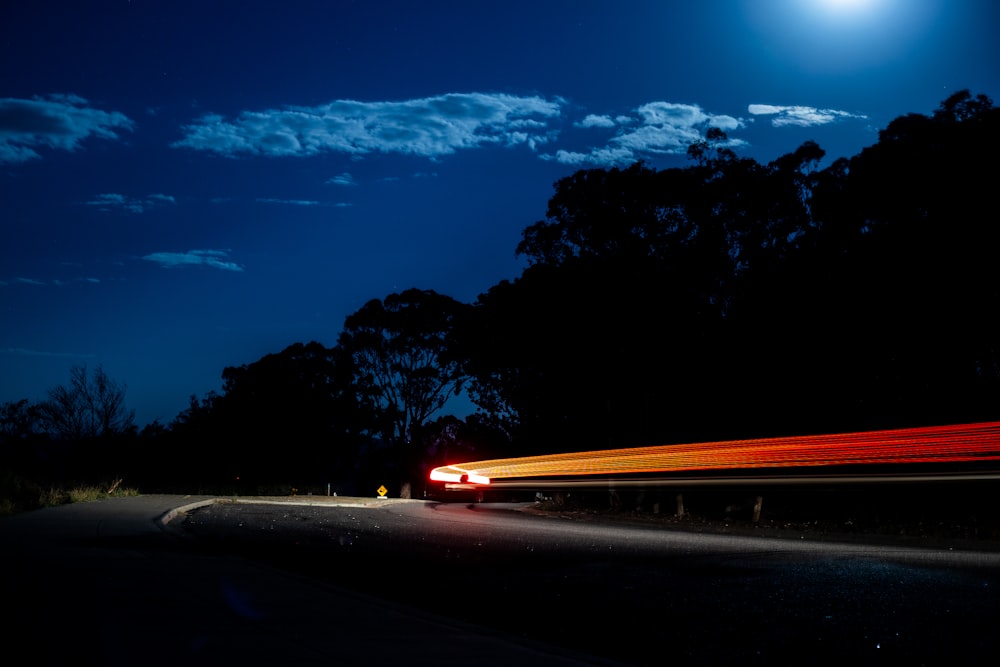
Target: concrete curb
306, 501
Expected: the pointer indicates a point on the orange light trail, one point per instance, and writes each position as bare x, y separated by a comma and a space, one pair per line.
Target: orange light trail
934, 444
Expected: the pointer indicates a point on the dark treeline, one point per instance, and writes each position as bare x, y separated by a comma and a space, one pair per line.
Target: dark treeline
737, 299
724, 299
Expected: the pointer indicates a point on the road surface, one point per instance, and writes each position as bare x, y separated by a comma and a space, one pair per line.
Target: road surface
638, 595
105, 583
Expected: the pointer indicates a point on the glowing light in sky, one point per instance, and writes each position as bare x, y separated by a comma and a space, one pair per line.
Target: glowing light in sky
847, 6
839, 36
936, 444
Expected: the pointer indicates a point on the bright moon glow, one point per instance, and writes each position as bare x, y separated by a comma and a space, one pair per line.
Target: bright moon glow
846, 10
846, 5
939, 444
850, 12
842, 36
885, 16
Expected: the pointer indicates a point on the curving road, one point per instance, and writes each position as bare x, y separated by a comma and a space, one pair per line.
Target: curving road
108, 583
637, 594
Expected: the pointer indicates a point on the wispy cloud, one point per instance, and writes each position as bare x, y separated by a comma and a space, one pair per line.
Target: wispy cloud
427, 127
58, 282
288, 202
344, 179
112, 201
57, 121
657, 128
800, 116
218, 259
596, 121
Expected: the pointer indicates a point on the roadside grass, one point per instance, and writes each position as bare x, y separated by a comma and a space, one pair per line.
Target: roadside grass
20, 494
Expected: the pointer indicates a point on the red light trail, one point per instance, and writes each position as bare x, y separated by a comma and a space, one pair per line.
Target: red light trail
934, 444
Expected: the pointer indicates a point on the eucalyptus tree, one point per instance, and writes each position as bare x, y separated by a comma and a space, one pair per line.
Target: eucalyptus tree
405, 368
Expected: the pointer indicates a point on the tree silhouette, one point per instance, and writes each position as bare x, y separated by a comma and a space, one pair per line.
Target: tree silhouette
402, 354
289, 419
732, 298
297, 403
92, 405
19, 420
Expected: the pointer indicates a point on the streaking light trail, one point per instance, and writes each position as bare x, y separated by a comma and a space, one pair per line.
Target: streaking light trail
936, 444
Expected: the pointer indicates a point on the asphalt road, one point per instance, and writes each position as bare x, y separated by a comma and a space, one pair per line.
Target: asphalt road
639, 595
110, 583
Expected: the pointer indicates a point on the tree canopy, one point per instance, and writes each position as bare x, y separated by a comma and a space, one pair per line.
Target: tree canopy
732, 298
402, 356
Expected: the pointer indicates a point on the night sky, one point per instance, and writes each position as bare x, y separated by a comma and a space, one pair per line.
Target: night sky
187, 185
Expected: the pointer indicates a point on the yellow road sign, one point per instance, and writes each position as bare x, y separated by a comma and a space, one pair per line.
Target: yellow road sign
382, 491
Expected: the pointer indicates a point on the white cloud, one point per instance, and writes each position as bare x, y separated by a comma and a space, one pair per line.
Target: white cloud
660, 128
568, 157
427, 127
606, 156
594, 120
344, 179
764, 109
57, 121
110, 201
800, 116
218, 259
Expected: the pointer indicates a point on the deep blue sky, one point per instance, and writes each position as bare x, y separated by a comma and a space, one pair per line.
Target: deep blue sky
190, 184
